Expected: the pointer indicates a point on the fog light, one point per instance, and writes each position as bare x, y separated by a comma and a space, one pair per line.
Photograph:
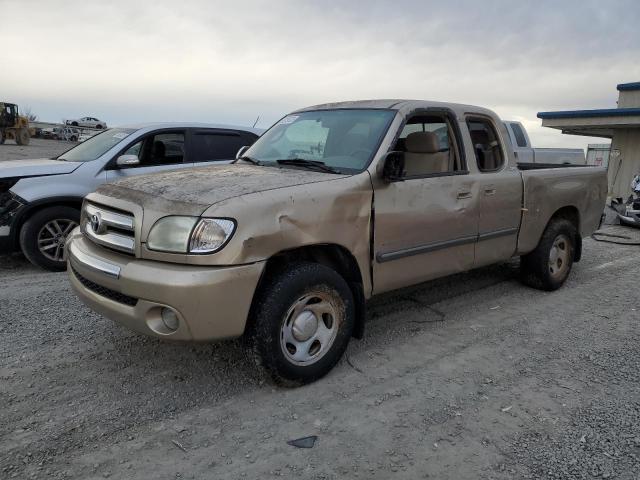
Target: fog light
170, 319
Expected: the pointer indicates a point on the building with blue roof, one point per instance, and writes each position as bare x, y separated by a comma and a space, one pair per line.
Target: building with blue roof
621, 125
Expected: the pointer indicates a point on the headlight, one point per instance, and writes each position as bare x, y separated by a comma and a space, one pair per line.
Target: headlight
210, 235
190, 234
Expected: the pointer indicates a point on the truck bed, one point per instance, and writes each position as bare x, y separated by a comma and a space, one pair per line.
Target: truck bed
546, 189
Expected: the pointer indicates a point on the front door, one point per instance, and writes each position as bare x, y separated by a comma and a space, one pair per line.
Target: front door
156, 152
426, 226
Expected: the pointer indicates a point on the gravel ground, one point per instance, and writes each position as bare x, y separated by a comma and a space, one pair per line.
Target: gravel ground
37, 148
472, 376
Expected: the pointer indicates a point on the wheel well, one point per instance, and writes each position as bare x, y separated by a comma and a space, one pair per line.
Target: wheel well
77, 204
333, 256
571, 214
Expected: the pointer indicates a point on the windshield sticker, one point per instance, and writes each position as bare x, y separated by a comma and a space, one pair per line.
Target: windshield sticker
120, 135
288, 119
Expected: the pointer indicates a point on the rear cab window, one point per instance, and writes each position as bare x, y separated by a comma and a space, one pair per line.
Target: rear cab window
486, 144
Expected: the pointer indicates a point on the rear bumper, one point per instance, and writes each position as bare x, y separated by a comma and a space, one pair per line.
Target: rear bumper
211, 303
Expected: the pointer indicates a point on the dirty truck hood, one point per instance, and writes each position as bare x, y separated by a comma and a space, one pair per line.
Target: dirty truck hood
199, 188
34, 168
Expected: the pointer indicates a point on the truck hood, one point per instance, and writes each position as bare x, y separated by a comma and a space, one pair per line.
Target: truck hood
193, 190
35, 168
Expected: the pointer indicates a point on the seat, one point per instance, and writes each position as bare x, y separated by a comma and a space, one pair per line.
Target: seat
423, 155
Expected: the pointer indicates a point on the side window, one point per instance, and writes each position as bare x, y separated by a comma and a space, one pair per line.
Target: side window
134, 149
486, 145
159, 149
429, 145
207, 147
521, 140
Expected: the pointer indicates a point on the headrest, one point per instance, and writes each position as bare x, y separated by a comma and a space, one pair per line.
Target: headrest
422, 142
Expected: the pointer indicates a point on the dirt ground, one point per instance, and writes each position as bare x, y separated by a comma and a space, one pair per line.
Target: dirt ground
470, 377
37, 148
473, 376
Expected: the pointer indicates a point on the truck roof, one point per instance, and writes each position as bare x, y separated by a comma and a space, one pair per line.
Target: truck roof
403, 105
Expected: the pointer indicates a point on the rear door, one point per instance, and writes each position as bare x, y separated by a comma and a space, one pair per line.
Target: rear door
217, 146
500, 193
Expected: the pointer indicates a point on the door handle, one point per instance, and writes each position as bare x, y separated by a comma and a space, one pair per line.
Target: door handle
462, 195
490, 191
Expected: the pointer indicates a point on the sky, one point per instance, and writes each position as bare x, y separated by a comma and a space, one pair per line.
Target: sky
230, 62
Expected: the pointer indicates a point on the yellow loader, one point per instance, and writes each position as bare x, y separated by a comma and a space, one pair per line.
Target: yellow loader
13, 125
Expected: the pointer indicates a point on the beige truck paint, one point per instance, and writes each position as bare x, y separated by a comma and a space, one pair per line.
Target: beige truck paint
397, 233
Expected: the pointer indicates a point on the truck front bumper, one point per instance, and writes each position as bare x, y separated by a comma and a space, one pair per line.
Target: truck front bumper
210, 303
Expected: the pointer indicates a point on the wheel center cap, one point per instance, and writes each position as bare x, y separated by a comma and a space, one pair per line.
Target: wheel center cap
304, 326
553, 257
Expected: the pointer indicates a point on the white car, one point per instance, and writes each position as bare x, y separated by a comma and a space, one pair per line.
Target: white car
90, 122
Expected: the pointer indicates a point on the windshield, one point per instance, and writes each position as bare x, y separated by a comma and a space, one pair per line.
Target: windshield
97, 145
343, 139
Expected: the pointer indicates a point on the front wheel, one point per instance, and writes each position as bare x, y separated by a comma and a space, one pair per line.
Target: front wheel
43, 236
302, 322
549, 265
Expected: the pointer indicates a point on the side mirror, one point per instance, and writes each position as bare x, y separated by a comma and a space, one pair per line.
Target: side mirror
127, 160
241, 151
393, 167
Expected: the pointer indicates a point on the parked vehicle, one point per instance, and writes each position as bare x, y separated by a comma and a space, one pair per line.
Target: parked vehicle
90, 122
525, 153
332, 205
40, 199
629, 212
66, 133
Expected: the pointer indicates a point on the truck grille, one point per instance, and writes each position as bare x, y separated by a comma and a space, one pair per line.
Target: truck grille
109, 228
104, 291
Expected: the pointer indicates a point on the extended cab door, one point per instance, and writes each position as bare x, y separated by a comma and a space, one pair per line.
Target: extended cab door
500, 192
426, 225
157, 151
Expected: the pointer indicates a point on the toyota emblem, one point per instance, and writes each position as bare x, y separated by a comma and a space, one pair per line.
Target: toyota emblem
96, 223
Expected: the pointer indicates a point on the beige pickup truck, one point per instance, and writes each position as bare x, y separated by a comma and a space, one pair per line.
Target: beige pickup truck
332, 205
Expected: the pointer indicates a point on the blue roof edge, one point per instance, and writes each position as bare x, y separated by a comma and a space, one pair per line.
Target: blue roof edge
622, 87
603, 112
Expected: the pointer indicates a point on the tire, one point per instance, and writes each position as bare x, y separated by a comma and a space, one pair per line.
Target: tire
549, 265
75, 124
286, 334
99, 127
22, 136
2, 137
44, 246
74, 138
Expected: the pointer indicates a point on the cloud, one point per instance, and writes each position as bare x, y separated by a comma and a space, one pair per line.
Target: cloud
231, 61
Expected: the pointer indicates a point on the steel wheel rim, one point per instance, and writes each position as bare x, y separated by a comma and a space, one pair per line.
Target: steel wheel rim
309, 328
52, 237
559, 256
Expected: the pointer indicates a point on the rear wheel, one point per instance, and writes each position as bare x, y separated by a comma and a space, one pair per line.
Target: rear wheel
99, 127
2, 137
302, 322
549, 265
22, 136
43, 236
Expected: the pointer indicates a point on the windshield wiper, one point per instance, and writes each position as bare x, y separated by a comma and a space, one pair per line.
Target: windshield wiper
250, 160
311, 164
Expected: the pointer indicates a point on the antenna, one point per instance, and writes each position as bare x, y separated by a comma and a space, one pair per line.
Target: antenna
256, 122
